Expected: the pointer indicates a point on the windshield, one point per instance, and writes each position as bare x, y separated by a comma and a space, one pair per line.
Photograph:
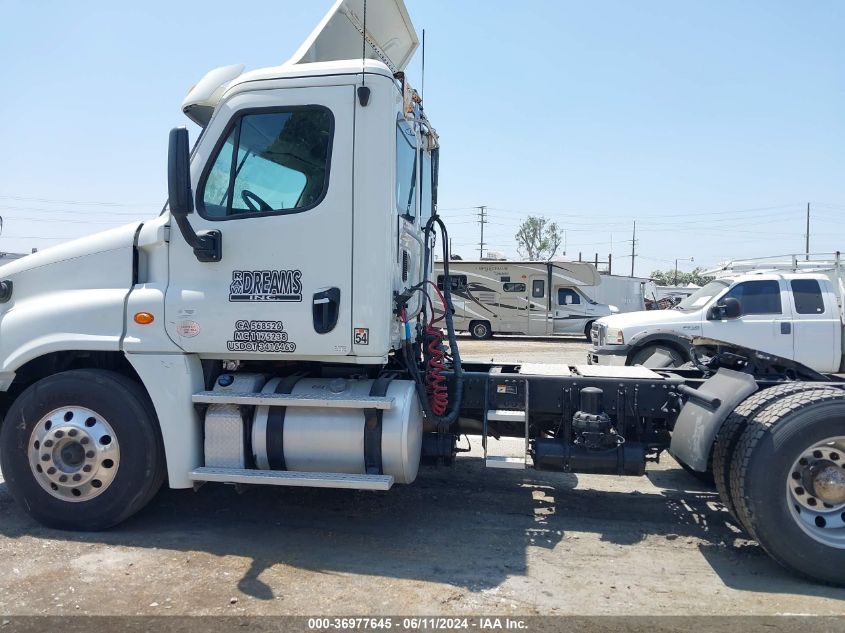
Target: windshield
701, 296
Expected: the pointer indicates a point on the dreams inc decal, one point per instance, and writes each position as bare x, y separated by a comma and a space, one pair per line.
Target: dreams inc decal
266, 285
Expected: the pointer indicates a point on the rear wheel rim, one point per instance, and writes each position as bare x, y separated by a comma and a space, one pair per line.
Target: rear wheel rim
815, 491
480, 330
74, 454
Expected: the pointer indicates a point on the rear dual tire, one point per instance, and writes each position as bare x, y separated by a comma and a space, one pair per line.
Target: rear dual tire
80, 450
786, 477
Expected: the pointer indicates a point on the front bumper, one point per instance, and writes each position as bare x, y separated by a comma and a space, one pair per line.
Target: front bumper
616, 355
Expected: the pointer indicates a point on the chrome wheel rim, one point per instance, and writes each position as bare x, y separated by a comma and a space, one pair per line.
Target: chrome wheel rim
815, 491
74, 453
480, 331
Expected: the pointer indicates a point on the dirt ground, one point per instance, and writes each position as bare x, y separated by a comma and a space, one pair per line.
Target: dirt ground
458, 541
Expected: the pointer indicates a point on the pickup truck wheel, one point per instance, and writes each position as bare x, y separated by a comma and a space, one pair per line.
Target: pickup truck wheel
588, 331
788, 482
480, 330
80, 450
732, 429
656, 356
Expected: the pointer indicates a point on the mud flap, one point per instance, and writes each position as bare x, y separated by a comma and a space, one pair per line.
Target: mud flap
697, 425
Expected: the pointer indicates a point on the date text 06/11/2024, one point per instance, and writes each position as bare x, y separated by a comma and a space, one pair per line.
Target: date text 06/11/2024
417, 623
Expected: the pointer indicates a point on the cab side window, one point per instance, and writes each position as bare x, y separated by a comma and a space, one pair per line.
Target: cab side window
513, 286
272, 162
406, 171
757, 297
807, 295
567, 296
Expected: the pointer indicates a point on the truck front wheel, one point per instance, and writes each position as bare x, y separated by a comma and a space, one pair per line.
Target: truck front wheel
80, 450
788, 482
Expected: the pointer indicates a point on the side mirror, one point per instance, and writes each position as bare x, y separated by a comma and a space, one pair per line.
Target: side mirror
207, 245
730, 308
180, 195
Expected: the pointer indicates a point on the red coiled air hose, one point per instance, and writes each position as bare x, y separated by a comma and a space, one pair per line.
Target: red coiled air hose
435, 381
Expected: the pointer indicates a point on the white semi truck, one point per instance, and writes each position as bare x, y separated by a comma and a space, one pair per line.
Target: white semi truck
274, 326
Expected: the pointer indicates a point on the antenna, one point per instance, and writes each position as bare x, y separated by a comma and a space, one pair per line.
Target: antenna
363, 91
364, 48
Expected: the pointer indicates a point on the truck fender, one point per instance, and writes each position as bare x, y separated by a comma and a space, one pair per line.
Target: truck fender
171, 380
697, 424
638, 341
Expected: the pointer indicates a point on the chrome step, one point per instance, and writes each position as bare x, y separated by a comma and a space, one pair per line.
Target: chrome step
325, 400
292, 478
506, 452
504, 415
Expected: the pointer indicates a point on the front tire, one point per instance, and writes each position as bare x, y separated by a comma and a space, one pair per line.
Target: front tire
80, 450
480, 330
788, 482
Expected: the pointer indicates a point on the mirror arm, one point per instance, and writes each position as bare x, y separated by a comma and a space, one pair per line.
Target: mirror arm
207, 245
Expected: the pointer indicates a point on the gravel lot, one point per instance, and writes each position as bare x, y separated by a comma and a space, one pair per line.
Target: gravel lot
459, 541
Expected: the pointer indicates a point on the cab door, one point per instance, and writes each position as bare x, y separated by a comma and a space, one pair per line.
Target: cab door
273, 174
766, 320
814, 326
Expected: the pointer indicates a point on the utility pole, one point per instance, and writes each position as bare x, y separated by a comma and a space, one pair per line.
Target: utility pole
683, 259
807, 236
633, 248
482, 220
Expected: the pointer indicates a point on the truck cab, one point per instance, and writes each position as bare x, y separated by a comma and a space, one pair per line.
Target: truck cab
293, 222
792, 315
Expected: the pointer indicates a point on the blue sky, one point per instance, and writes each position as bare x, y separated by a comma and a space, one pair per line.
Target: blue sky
710, 123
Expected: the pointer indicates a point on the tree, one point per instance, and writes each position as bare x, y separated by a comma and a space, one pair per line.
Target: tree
538, 238
667, 277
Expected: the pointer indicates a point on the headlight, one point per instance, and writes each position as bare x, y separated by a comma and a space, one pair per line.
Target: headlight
614, 336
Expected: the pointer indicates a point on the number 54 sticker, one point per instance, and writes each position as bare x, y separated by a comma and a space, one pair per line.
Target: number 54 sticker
361, 336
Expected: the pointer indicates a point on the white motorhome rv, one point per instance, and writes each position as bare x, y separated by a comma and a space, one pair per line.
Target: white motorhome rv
534, 298
271, 326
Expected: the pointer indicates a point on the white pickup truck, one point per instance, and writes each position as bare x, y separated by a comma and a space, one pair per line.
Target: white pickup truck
797, 316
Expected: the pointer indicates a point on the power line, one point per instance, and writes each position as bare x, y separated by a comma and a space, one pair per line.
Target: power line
152, 210
80, 202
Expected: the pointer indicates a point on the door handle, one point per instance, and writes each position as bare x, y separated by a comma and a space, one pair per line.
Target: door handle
325, 307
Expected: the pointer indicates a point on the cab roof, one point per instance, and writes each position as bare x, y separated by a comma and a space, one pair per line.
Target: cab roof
335, 46
390, 36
